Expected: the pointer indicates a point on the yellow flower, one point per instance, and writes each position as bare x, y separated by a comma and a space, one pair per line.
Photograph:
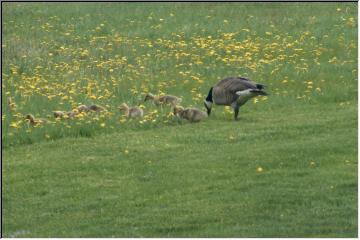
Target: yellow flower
259, 169
126, 151
102, 125
14, 125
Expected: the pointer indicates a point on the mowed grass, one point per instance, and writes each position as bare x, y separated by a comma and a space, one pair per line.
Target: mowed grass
288, 168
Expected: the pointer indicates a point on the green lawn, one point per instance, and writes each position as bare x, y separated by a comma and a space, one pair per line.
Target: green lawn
288, 168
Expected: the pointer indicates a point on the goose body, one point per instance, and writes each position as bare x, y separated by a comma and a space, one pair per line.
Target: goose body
190, 114
71, 114
131, 112
35, 121
95, 108
83, 108
59, 114
163, 100
234, 92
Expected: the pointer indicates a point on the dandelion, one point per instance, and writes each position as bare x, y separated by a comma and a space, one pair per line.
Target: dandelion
259, 169
14, 125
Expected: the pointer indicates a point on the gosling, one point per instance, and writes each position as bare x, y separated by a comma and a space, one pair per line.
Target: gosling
84, 108
163, 100
96, 108
59, 114
35, 121
131, 112
72, 114
190, 114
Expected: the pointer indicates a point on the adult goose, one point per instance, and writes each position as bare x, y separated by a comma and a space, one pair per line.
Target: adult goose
234, 92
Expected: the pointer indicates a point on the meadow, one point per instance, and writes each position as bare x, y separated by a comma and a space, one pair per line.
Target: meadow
287, 168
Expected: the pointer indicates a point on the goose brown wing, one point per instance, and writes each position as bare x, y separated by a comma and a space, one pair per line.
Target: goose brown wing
234, 84
224, 92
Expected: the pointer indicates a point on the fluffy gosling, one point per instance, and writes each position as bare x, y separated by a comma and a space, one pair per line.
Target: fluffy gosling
35, 121
96, 108
163, 100
59, 114
190, 114
132, 112
83, 108
72, 114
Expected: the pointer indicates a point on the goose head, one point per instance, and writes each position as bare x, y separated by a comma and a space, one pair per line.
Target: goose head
123, 106
149, 96
178, 110
209, 101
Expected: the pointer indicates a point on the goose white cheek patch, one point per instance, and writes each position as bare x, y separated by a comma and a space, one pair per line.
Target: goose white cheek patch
208, 104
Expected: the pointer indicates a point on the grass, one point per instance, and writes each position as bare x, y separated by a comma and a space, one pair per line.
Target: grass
288, 168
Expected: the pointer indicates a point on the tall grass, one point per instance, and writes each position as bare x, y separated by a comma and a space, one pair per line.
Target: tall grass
58, 56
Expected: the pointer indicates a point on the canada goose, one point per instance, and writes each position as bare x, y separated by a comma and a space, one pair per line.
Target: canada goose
234, 92
191, 114
59, 114
96, 108
131, 112
35, 121
161, 100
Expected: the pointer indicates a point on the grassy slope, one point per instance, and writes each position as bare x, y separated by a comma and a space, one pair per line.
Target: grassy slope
193, 180
200, 180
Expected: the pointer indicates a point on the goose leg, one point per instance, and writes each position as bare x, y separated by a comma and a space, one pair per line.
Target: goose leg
236, 110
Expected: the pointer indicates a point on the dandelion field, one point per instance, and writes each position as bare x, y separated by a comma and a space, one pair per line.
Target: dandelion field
288, 168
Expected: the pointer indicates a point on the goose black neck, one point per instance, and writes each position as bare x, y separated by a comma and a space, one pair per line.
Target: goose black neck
209, 97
